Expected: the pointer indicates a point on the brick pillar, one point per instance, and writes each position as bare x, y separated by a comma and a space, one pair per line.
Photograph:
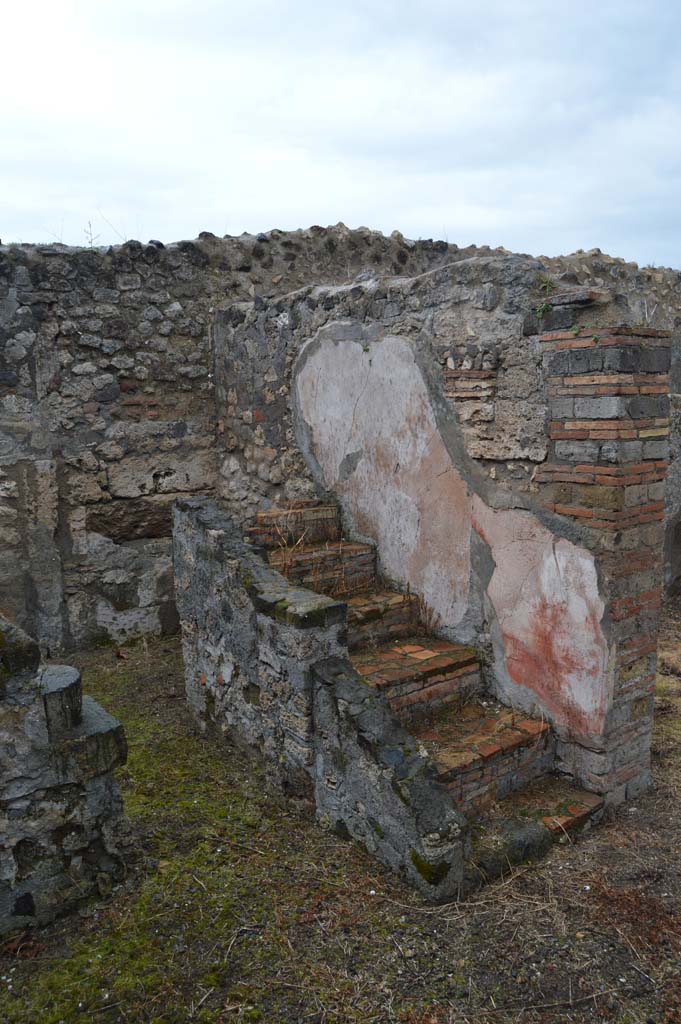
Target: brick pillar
609, 426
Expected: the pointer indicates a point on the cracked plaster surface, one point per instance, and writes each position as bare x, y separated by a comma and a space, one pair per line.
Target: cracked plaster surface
374, 436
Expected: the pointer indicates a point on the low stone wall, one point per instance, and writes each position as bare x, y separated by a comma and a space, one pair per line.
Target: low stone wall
59, 803
107, 410
265, 663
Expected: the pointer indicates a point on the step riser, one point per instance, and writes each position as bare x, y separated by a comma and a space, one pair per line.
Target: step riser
434, 695
491, 779
334, 572
394, 622
278, 528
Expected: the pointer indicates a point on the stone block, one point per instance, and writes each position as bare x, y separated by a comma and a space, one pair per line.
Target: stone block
129, 519
59, 799
577, 451
617, 452
62, 698
586, 360
648, 406
95, 746
626, 359
654, 360
656, 449
602, 408
562, 408
600, 496
163, 473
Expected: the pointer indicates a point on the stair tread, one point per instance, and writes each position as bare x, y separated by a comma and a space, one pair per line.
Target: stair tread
555, 801
458, 739
378, 598
524, 825
416, 656
324, 549
375, 604
269, 514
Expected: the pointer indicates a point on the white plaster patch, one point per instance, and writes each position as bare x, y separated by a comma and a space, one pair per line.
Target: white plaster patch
374, 436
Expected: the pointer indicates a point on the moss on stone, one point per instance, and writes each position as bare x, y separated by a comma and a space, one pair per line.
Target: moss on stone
432, 873
315, 615
377, 828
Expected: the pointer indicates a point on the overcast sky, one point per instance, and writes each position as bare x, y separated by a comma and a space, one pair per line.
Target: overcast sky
540, 126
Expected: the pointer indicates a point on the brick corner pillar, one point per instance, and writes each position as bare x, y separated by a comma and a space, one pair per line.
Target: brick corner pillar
608, 399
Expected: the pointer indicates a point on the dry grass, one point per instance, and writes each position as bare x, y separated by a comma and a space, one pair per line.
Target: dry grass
238, 908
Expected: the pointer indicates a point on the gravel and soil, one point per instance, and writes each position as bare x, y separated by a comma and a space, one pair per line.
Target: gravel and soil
237, 907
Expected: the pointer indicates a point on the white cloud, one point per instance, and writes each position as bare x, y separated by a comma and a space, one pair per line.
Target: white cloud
529, 125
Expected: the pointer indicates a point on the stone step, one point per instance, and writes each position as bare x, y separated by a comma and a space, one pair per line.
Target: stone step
381, 616
524, 827
484, 751
95, 746
62, 699
557, 803
421, 676
336, 568
304, 523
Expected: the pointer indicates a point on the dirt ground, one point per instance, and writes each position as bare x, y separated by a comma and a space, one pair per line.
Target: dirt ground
237, 907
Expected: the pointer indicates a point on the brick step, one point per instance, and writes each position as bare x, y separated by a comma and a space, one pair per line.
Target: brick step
524, 827
556, 802
336, 568
484, 751
62, 699
381, 616
304, 523
421, 675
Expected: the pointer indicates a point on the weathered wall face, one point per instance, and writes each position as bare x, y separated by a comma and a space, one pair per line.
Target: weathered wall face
548, 614
518, 553
650, 296
368, 423
266, 663
249, 639
107, 410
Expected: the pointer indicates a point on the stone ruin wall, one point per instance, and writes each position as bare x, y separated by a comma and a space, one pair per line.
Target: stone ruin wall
134, 376
531, 522
107, 410
107, 399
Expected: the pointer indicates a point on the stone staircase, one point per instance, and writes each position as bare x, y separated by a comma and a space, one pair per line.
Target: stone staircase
497, 763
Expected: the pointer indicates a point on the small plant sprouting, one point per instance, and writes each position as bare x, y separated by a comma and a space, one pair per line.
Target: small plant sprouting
545, 284
575, 330
90, 236
542, 309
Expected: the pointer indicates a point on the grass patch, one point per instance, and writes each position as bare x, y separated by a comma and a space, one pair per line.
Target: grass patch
238, 908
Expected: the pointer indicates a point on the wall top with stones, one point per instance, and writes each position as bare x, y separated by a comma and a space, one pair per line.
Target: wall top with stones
107, 391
